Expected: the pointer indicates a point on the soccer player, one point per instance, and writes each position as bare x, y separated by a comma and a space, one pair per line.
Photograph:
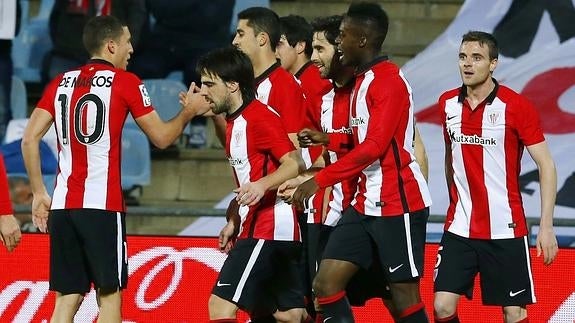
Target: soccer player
389, 212
257, 35
486, 127
89, 106
9, 227
260, 274
294, 51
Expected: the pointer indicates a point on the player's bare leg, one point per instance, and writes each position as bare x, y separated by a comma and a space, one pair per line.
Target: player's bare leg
110, 305
513, 314
66, 307
329, 287
407, 301
445, 304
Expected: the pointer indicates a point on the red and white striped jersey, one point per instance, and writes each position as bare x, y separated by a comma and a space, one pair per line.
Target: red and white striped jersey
381, 119
255, 142
486, 148
334, 118
89, 106
313, 87
279, 89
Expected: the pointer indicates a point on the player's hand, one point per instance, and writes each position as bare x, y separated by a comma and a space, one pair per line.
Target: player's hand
250, 193
303, 192
40, 210
10, 231
227, 237
547, 245
308, 137
193, 102
287, 188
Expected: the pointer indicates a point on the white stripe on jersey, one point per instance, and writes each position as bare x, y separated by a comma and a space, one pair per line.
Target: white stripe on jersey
98, 153
248, 270
283, 221
64, 154
460, 225
495, 179
239, 150
263, 91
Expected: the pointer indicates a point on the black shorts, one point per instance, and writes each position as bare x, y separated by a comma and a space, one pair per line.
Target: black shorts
398, 241
504, 267
262, 276
87, 246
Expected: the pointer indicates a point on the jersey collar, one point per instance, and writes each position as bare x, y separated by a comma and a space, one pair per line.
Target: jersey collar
99, 61
266, 73
365, 67
488, 100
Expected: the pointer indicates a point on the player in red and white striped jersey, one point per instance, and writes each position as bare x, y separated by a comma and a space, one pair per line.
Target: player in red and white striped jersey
260, 274
89, 106
486, 128
391, 203
9, 227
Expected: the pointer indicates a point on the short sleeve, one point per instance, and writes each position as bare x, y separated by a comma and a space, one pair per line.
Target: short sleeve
136, 96
528, 124
47, 100
270, 135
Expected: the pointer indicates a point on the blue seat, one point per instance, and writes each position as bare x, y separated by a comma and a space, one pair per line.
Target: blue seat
18, 99
136, 159
29, 48
164, 95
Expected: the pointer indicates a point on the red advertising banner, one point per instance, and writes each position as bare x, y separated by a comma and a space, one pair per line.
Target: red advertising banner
171, 279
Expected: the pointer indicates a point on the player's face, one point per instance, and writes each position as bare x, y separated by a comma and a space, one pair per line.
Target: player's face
124, 49
324, 55
348, 43
245, 38
216, 93
475, 66
286, 54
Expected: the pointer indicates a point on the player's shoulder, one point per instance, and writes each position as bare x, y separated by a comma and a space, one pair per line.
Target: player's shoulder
449, 94
126, 76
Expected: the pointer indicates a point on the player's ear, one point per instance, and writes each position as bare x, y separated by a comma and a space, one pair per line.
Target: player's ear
233, 86
263, 38
111, 46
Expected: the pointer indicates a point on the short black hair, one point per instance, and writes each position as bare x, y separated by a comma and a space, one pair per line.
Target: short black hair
483, 38
329, 26
297, 29
265, 20
99, 30
372, 16
231, 65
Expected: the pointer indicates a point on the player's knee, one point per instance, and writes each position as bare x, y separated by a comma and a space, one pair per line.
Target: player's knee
444, 306
514, 314
293, 315
220, 308
323, 287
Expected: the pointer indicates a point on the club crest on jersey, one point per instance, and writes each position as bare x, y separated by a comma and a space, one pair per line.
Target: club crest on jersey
493, 117
237, 138
357, 121
145, 96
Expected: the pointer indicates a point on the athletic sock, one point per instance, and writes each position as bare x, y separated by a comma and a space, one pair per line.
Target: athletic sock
450, 319
525, 320
224, 321
414, 314
336, 306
